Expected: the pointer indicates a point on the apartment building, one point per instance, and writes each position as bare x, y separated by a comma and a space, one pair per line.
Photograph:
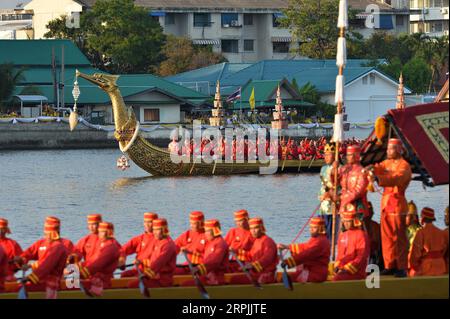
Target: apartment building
430, 17
15, 22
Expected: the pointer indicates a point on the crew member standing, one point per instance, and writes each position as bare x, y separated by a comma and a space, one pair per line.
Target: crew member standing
193, 241
310, 258
138, 244
85, 247
263, 256
426, 257
158, 261
353, 249
239, 239
98, 271
394, 174
11, 248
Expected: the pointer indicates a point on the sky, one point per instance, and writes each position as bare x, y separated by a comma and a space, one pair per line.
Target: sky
11, 4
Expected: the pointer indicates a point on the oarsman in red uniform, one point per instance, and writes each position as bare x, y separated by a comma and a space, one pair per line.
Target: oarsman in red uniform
353, 249
263, 256
138, 244
66, 242
3, 268
240, 240
215, 259
310, 258
85, 247
98, 271
50, 255
158, 261
427, 255
374, 233
192, 241
394, 174
446, 237
11, 248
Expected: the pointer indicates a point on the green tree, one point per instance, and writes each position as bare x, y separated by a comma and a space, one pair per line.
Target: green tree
116, 36
417, 74
181, 55
9, 79
313, 24
309, 93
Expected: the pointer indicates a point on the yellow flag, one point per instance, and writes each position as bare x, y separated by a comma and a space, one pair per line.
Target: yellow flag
252, 100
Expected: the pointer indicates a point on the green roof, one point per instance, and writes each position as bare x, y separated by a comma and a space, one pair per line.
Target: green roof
39, 52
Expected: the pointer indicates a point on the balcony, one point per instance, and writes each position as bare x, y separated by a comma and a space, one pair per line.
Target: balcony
430, 14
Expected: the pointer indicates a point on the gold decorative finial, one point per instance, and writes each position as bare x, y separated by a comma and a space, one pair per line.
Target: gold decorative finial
217, 118
400, 94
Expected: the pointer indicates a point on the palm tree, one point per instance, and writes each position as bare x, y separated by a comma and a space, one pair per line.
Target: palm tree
9, 79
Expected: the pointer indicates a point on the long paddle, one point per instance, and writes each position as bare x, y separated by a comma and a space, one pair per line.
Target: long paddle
23, 294
286, 279
247, 273
198, 283
142, 288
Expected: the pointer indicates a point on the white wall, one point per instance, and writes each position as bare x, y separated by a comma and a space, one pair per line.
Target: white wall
168, 113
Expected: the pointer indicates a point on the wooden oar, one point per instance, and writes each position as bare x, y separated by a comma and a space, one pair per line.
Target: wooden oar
247, 273
214, 167
142, 288
314, 157
84, 290
197, 280
299, 165
286, 279
23, 294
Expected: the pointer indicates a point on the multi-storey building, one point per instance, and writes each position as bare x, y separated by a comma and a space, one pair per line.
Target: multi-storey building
15, 22
430, 17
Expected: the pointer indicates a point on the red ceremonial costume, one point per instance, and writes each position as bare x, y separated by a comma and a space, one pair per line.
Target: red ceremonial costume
12, 249
427, 255
100, 268
263, 257
311, 258
50, 255
85, 248
158, 261
137, 245
3, 268
215, 258
394, 175
193, 241
240, 240
52, 220
353, 252
354, 182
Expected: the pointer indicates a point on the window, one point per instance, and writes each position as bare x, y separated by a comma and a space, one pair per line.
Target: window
372, 78
230, 46
248, 19
399, 21
230, 20
170, 19
202, 20
276, 19
248, 45
364, 80
151, 115
436, 27
280, 47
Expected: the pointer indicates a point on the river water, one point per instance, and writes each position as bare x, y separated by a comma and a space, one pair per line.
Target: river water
73, 183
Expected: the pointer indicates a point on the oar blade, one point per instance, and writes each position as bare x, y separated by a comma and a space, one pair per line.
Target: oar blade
143, 289
23, 294
287, 280
201, 288
85, 291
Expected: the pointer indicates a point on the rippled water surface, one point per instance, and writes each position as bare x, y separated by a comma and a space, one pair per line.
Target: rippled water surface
71, 184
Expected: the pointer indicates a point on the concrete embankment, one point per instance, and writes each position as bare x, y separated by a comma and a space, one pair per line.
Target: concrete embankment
55, 135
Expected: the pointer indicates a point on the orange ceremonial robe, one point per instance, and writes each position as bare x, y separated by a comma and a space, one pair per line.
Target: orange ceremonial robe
3, 268
11, 249
136, 245
85, 248
241, 241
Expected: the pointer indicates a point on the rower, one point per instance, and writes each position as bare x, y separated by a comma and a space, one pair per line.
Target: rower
310, 258
50, 255
86, 246
11, 248
353, 248
215, 259
412, 223
98, 271
158, 261
263, 258
239, 239
174, 147
138, 244
3, 268
66, 242
426, 257
192, 241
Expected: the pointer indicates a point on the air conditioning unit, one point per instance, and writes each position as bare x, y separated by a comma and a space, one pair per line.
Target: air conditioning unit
234, 23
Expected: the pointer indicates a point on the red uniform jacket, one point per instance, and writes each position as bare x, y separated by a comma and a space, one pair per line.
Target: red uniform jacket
50, 256
160, 260
103, 262
11, 249
314, 255
264, 258
215, 261
353, 253
194, 242
85, 248
68, 244
137, 245
354, 184
3, 268
241, 241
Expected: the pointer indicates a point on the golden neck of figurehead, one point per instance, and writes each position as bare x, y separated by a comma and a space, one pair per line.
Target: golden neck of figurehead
124, 121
